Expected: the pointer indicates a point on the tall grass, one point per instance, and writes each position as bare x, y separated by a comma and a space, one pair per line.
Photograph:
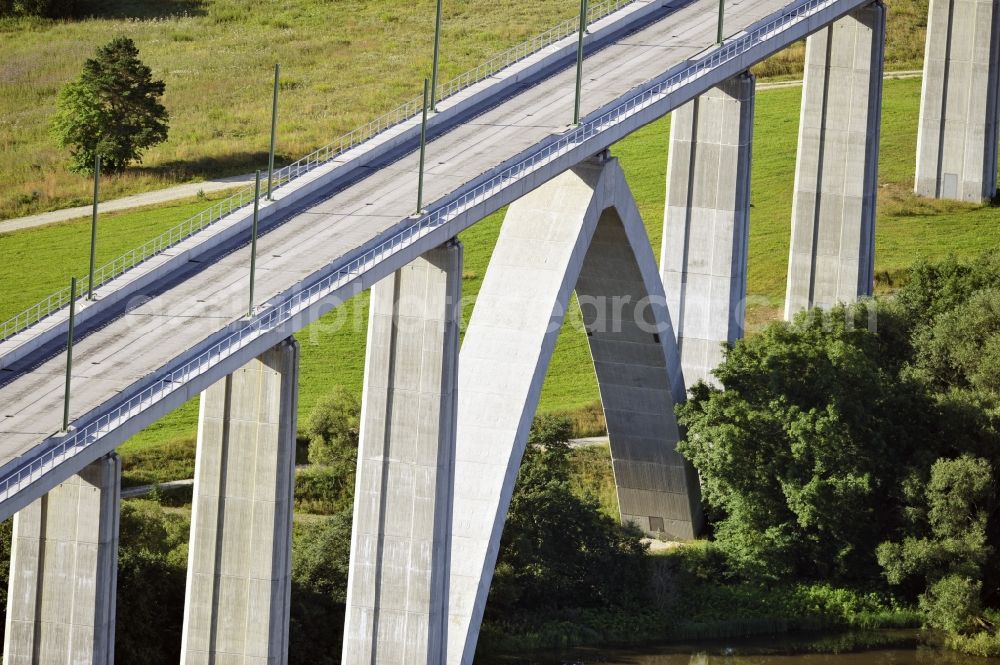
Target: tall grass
592, 477
343, 63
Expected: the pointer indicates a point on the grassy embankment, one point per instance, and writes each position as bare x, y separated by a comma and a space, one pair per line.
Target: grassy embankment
343, 63
908, 229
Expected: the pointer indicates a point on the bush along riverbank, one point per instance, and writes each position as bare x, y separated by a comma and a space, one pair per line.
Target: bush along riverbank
691, 600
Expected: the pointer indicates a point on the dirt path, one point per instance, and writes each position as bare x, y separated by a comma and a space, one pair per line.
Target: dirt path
125, 203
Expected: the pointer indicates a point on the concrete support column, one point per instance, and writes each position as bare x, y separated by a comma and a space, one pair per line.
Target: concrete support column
957, 140
707, 223
833, 217
400, 542
239, 561
657, 489
580, 231
63, 572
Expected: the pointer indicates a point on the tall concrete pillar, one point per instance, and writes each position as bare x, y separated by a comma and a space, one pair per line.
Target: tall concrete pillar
63, 572
957, 140
833, 217
239, 555
400, 542
657, 489
707, 223
581, 230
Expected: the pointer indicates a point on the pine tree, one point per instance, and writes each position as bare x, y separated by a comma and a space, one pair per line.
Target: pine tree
113, 109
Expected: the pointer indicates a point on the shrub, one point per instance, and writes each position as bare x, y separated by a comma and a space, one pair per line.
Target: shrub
558, 551
952, 604
323, 491
322, 556
333, 428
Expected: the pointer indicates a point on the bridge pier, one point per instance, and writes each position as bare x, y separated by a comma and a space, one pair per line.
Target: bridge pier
707, 223
581, 230
657, 490
957, 139
833, 218
239, 562
400, 541
63, 571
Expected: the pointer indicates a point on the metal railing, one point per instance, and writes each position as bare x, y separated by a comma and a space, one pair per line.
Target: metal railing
274, 318
517, 53
109, 271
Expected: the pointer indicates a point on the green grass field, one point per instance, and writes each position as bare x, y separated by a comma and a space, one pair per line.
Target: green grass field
343, 63
333, 348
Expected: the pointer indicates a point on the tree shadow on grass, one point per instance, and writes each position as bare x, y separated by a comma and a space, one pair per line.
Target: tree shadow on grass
140, 9
208, 167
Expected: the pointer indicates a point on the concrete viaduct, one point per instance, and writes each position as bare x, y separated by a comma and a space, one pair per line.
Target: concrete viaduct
444, 427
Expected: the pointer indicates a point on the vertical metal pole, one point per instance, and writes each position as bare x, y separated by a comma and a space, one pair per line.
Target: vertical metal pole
274, 131
253, 240
579, 61
423, 148
722, 14
69, 351
93, 228
437, 54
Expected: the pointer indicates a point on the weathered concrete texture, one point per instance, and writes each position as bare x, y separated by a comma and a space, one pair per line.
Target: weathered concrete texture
707, 223
239, 555
397, 587
542, 249
957, 139
833, 217
63, 572
623, 310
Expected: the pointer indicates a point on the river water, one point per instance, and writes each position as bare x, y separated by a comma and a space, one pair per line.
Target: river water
918, 656
900, 648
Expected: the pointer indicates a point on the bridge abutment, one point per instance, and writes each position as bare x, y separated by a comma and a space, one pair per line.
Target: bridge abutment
239, 560
832, 251
63, 571
957, 139
706, 223
400, 541
579, 231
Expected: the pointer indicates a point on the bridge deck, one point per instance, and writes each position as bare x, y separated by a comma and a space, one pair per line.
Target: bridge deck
110, 359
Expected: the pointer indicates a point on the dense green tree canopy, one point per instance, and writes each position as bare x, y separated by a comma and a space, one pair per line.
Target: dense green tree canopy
558, 550
333, 429
961, 348
807, 445
113, 110
152, 562
322, 556
864, 449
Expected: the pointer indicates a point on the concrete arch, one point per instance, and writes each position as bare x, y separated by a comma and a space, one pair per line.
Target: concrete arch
580, 231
